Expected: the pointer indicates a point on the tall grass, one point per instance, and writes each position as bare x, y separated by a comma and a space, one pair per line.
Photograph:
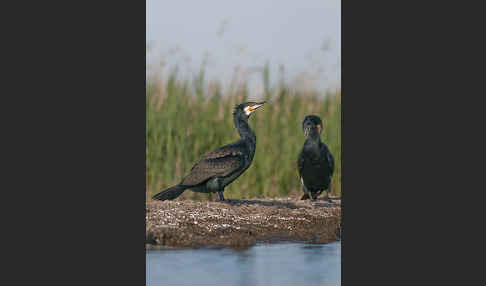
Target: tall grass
185, 120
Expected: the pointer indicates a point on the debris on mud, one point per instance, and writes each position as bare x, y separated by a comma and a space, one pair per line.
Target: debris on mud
240, 223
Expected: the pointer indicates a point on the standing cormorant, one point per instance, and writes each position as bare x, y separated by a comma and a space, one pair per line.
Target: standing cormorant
316, 163
221, 167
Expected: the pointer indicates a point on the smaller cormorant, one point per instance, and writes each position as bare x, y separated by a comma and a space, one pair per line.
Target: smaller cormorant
316, 163
222, 166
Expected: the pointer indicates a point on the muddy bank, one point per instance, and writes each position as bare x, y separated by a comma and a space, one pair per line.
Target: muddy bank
240, 223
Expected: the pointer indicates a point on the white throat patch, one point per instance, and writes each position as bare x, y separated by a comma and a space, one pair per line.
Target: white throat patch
247, 110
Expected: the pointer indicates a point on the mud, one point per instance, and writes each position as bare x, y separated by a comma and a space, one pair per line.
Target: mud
240, 223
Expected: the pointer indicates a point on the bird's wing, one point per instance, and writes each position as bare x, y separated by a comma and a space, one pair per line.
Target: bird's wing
219, 163
330, 159
300, 164
235, 149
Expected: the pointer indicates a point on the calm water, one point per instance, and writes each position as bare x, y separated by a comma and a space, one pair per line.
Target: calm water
264, 264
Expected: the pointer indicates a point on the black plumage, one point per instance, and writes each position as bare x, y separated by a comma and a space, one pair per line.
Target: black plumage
315, 163
222, 166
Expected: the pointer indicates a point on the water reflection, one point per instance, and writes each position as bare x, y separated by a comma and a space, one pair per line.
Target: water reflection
265, 264
245, 262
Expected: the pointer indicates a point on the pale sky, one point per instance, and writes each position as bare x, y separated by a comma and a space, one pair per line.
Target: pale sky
304, 36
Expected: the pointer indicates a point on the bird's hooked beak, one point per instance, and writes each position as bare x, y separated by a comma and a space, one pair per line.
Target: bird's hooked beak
250, 108
308, 127
256, 106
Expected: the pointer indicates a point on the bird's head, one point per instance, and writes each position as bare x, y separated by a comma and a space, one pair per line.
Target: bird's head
312, 125
248, 108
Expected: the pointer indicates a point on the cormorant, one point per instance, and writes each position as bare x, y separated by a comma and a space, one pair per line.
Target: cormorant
222, 166
316, 163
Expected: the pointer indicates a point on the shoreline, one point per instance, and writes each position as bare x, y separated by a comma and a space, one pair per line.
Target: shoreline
240, 223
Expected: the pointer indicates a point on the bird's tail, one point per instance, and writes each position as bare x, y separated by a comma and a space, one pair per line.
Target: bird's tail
170, 193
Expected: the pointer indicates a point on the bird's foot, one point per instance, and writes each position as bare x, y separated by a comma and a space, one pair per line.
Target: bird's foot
221, 196
311, 198
313, 204
311, 201
326, 198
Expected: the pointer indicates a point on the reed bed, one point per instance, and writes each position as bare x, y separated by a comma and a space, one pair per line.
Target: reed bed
186, 119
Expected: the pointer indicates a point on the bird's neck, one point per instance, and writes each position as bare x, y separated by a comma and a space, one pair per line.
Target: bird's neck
313, 142
241, 124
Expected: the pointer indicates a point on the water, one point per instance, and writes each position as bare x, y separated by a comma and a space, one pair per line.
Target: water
263, 264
